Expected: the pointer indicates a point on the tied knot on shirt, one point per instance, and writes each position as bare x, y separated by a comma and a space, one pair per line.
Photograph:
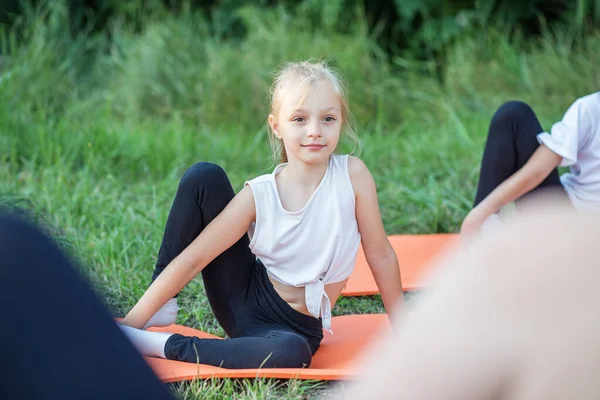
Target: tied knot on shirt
318, 303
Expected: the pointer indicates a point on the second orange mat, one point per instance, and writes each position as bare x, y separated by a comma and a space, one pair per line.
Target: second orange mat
414, 254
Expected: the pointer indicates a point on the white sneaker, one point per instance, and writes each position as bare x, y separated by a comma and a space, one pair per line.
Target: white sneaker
167, 315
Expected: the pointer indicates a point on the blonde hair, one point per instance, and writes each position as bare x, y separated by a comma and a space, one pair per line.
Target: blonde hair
309, 72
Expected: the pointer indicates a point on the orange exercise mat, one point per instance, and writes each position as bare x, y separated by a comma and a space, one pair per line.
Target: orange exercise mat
414, 253
334, 360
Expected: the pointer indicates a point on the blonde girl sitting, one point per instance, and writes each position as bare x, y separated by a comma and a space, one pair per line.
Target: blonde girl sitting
275, 257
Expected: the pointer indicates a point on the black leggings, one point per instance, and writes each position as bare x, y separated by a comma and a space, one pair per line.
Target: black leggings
58, 341
511, 141
263, 329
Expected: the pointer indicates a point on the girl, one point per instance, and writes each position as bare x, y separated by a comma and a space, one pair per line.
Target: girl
520, 158
275, 257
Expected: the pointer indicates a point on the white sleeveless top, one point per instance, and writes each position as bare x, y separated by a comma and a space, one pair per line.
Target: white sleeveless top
314, 246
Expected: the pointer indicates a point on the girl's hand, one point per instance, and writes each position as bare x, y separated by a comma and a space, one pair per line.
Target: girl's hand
473, 221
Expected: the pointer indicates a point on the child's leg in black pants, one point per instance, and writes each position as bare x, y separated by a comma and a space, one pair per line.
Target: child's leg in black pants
511, 141
203, 193
58, 340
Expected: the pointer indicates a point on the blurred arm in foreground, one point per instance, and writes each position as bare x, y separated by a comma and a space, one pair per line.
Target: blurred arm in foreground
508, 315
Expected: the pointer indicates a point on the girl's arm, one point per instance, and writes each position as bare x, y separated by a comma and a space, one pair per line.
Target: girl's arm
225, 230
538, 167
378, 251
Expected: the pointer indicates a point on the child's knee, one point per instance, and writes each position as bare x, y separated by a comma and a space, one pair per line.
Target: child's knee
291, 351
512, 111
203, 174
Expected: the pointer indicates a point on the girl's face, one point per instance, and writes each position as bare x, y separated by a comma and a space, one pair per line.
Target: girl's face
309, 122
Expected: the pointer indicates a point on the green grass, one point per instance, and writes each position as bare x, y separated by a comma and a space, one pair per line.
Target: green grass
94, 138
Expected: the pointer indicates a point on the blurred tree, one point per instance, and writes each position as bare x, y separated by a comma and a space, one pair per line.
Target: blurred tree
425, 26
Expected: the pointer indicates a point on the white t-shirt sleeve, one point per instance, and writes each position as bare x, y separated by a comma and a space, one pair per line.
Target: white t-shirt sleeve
568, 134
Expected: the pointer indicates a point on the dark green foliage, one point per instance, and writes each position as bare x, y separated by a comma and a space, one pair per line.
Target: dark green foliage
422, 25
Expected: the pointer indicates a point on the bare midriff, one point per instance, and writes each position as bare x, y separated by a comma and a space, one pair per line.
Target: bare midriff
295, 296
